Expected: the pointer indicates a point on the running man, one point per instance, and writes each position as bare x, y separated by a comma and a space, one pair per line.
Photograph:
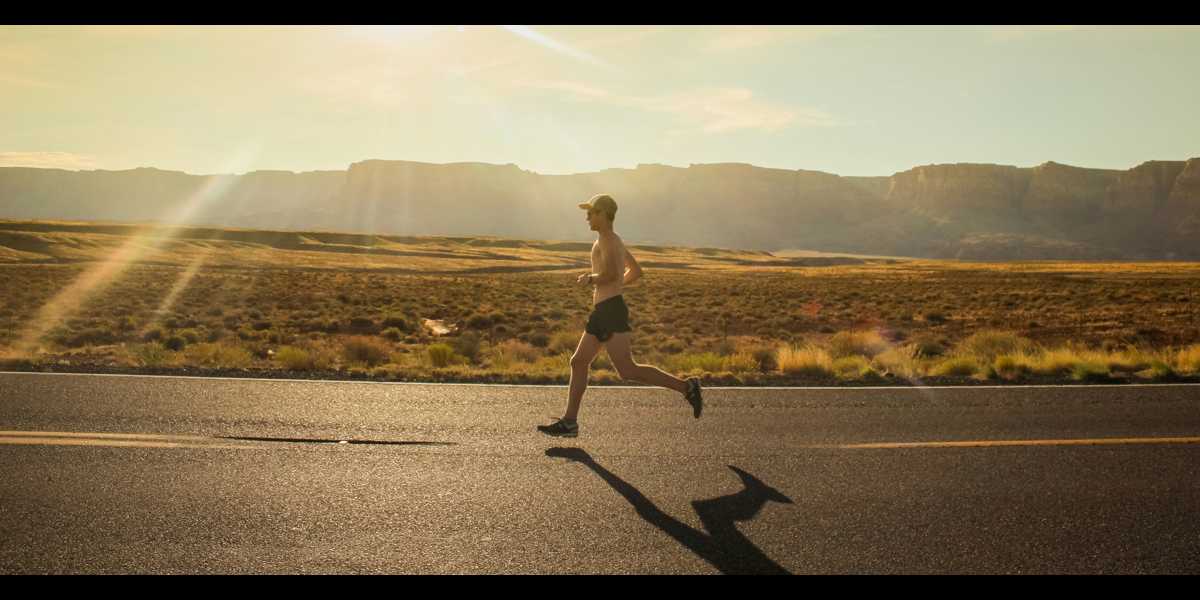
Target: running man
608, 326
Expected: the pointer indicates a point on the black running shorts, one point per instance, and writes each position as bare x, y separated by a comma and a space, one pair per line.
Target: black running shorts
609, 317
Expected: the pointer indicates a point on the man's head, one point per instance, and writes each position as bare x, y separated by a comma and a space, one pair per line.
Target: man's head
602, 209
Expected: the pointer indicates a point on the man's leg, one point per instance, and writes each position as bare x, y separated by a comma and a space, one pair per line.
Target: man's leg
622, 358
589, 346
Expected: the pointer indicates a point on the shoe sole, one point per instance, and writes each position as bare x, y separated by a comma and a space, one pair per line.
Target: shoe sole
568, 435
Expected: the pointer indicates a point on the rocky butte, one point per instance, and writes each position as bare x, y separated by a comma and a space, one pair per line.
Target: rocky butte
967, 211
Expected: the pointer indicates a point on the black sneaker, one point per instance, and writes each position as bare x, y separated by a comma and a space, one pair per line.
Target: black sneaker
693, 396
560, 428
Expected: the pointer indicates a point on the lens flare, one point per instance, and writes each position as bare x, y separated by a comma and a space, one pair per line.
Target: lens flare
99, 276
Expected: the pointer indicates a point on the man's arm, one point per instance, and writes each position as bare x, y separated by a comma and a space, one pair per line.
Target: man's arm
634, 272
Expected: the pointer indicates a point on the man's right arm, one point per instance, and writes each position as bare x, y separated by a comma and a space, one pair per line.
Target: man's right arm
634, 272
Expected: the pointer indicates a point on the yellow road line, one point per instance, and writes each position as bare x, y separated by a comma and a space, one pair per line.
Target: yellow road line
990, 443
115, 436
125, 443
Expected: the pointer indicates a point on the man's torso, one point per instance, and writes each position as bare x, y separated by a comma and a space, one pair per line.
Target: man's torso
602, 292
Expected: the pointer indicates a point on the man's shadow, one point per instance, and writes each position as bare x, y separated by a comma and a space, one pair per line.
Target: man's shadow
723, 546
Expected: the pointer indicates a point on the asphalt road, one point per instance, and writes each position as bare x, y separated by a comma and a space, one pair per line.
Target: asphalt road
107, 474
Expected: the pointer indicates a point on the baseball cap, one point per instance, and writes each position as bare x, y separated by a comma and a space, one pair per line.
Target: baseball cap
601, 202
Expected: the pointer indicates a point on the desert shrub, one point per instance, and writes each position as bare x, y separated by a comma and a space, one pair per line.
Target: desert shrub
468, 344
361, 349
392, 333
360, 325
690, 362
934, 317
479, 321
986, 345
856, 343
153, 335
442, 355
1055, 362
1089, 370
222, 356
851, 367
295, 359
149, 355
926, 347
672, 346
1187, 360
175, 343
564, 341
901, 362
725, 347
321, 325
1012, 366
1158, 369
190, 336
804, 360
398, 322
89, 337
764, 356
741, 362
539, 338
261, 325
518, 351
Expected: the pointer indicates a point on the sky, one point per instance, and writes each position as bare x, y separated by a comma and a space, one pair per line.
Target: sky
871, 100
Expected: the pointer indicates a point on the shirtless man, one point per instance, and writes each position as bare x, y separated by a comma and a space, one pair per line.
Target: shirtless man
608, 325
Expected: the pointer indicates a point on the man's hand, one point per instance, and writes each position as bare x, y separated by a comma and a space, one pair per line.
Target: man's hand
585, 279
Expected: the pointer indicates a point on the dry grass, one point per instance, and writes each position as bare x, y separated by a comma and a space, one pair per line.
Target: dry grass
265, 308
804, 360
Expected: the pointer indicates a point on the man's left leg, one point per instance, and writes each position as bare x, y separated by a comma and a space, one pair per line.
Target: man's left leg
621, 354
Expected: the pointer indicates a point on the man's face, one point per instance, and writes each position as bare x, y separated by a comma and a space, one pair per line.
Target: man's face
593, 218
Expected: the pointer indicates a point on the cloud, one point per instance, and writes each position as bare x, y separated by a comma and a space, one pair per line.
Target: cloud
711, 110
48, 160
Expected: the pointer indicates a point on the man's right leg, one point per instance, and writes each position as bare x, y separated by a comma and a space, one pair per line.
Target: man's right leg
589, 346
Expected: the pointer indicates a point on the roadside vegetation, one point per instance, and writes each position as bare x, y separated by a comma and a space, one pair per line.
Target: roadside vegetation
914, 321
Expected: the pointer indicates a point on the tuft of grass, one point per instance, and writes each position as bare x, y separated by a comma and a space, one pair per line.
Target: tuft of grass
901, 362
1089, 370
988, 344
1012, 366
851, 367
696, 362
804, 360
857, 343
1187, 360
510, 351
1158, 370
296, 359
152, 354
958, 366
218, 355
563, 341
1057, 361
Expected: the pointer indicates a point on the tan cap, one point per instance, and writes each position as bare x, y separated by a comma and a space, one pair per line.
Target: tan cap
602, 202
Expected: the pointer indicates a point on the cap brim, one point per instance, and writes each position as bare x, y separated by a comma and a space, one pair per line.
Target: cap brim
585, 205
